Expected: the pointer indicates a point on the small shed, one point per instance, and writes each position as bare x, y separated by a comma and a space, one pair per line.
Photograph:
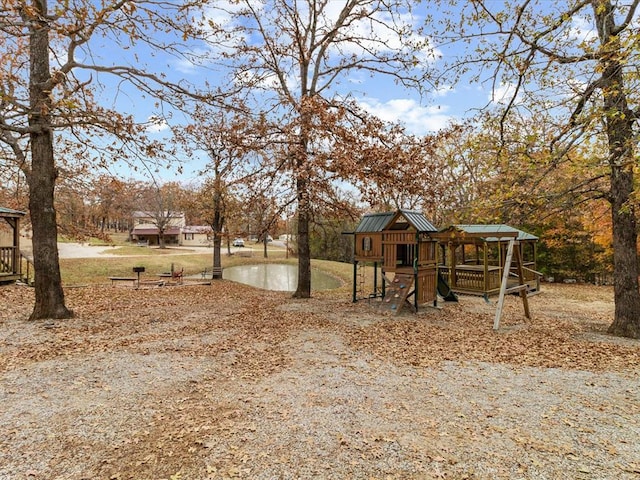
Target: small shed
472, 257
401, 243
10, 267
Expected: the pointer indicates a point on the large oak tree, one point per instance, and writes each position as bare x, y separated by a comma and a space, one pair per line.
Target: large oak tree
573, 63
55, 61
294, 57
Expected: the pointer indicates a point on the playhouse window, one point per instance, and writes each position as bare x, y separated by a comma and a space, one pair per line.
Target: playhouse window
405, 255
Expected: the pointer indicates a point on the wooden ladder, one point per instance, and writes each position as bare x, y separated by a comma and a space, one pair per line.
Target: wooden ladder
397, 292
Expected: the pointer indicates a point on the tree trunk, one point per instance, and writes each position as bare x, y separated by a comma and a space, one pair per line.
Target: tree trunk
49, 296
228, 243
304, 211
620, 137
626, 322
304, 253
217, 259
217, 226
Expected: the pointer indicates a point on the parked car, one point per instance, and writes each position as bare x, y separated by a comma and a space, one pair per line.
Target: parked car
238, 242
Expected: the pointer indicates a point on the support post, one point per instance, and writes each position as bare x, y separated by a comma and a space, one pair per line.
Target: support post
375, 278
503, 286
355, 279
16, 267
453, 280
522, 287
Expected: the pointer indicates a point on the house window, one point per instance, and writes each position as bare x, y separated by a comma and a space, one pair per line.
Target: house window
366, 244
188, 236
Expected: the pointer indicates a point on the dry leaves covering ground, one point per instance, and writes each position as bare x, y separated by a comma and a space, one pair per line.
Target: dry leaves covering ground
227, 381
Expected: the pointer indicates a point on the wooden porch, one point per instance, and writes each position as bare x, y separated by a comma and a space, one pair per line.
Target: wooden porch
10, 258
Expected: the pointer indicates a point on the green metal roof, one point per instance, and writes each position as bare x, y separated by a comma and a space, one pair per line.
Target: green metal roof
374, 222
493, 232
10, 212
377, 222
419, 221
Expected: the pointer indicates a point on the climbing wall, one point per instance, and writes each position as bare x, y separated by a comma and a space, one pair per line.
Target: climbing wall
397, 292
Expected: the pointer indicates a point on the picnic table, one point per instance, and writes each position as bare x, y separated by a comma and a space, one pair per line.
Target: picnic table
122, 279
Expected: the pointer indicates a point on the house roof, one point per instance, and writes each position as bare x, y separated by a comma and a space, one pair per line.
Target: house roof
146, 230
197, 229
491, 232
377, 222
9, 212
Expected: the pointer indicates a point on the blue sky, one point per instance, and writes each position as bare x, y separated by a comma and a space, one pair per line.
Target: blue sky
378, 95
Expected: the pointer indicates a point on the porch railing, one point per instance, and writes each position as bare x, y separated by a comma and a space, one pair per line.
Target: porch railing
8, 261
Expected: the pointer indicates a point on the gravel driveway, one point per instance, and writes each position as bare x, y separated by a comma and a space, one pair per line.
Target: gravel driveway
227, 381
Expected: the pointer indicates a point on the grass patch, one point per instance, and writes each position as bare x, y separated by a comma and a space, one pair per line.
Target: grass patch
80, 271
77, 271
146, 251
112, 239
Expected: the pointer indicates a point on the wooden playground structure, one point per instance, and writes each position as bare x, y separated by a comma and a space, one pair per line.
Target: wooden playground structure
461, 259
401, 243
472, 258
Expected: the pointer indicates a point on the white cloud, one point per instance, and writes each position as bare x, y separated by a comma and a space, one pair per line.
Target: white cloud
418, 119
443, 91
185, 66
374, 34
503, 93
265, 81
223, 15
582, 30
156, 124
220, 24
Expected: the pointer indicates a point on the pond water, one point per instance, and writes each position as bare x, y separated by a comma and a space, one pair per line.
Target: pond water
277, 276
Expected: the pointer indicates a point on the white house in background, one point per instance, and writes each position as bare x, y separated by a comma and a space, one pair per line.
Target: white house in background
196, 236
177, 232
145, 228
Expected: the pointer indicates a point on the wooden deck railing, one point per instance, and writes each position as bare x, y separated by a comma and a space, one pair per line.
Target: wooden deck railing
15, 266
8, 260
472, 280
